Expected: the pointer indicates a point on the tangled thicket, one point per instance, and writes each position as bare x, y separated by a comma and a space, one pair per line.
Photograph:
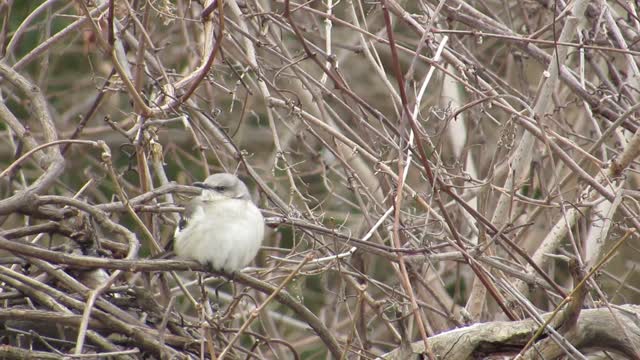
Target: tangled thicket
423, 166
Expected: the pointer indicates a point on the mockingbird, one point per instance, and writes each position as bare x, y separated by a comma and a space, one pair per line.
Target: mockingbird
221, 227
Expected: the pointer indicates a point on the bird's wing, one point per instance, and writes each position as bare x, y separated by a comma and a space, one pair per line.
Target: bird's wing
189, 209
188, 212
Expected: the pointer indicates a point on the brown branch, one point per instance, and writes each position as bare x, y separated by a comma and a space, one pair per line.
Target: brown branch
88, 262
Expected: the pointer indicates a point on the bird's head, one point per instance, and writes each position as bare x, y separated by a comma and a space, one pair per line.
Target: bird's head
221, 186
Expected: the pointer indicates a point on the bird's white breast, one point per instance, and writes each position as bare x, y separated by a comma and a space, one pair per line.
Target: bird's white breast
225, 233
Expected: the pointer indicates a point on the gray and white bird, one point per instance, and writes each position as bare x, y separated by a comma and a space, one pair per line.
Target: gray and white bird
221, 227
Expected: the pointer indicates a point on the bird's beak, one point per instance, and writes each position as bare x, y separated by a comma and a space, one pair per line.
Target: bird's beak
199, 184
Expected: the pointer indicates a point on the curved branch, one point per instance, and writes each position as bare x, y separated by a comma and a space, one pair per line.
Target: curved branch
52, 161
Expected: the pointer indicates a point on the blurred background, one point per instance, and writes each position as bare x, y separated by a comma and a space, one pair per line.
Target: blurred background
444, 163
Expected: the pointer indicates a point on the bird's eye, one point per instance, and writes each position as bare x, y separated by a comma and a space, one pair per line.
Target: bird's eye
219, 188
